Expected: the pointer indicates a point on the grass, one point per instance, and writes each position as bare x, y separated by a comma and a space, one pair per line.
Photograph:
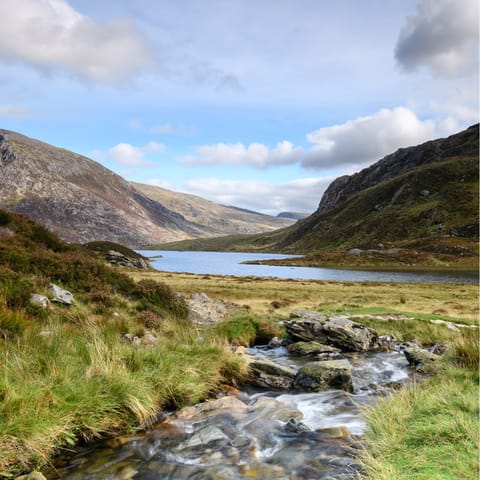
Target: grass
66, 376
429, 431
456, 303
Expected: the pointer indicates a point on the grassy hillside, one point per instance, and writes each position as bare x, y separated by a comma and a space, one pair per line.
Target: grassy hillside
215, 219
66, 374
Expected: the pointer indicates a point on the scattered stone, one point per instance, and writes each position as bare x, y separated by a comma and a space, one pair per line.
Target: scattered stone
419, 357
355, 251
321, 376
425, 193
440, 348
336, 331
60, 295
306, 349
40, 300
149, 340
267, 374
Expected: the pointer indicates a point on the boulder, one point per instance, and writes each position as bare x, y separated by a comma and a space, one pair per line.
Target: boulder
339, 332
327, 375
306, 349
265, 373
419, 357
40, 300
60, 295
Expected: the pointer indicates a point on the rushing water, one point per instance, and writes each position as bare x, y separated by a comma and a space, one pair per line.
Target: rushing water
230, 263
257, 434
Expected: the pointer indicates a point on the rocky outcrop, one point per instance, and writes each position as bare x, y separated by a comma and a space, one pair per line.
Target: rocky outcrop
335, 331
327, 375
120, 260
403, 160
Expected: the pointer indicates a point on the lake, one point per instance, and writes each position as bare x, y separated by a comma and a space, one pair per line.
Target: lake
230, 263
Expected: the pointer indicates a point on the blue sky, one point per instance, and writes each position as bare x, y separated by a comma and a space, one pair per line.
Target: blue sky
258, 104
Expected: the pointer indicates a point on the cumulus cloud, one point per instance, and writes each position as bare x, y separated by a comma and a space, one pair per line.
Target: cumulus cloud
301, 195
255, 154
50, 35
132, 156
367, 139
354, 143
441, 35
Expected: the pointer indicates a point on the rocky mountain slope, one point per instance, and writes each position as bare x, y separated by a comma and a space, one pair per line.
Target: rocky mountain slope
82, 201
219, 219
423, 198
426, 191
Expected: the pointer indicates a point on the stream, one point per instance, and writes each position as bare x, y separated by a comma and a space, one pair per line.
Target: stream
253, 433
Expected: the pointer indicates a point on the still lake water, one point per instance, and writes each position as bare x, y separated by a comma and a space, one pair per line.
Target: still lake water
230, 263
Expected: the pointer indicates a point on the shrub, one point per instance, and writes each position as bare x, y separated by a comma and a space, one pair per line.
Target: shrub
157, 296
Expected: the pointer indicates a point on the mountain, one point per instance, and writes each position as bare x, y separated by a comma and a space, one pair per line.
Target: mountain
426, 191
82, 201
219, 219
423, 197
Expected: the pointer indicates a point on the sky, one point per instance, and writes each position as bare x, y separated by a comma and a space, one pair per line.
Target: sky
259, 104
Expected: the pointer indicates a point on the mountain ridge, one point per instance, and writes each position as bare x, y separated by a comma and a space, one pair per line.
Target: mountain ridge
82, 201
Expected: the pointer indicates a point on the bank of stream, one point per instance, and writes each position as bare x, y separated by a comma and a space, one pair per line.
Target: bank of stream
252, 433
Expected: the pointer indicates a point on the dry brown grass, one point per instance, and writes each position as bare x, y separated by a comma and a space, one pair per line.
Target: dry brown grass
456, 301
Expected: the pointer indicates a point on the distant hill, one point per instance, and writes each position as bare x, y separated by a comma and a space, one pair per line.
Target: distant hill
218, 219
424, 196
82, 201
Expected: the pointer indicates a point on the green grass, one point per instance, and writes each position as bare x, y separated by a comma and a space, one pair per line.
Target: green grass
82, 382
247, 330
430, 430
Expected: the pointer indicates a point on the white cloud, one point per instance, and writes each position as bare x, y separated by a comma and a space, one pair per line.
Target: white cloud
301, 195
367, 139
50, 35
255, 154
356, 142
441, 35
129, 155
